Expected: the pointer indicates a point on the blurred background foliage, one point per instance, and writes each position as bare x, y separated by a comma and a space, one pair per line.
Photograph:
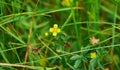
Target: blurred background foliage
23, 24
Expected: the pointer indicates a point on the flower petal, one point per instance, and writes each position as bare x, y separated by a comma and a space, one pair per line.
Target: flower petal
58, 30
93, 55
46, 34
55, 26
51, 29
54, 34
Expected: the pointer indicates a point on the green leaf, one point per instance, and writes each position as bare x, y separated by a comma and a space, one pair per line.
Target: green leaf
3, 54
77, 63
75, 57
100, 65
92, 64
13, 35
84, 59
42, 24
64, 62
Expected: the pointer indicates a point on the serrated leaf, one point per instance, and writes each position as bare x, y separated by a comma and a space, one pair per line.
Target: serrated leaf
75, 57
84, 59
100, 65
92, 64
77, 63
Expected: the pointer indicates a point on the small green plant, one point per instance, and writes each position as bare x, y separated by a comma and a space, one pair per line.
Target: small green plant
59, 35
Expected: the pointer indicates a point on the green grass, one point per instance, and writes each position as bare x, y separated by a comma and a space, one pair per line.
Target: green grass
24, 46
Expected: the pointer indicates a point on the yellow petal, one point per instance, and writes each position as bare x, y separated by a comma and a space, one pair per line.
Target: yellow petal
58, 30
55, 26
54, 34
46, 34
51, 29
93, 55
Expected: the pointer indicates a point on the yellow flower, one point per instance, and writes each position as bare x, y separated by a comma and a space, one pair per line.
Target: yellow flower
46, 34
66, 2
55, 30
94, 41
93, 54
43, 61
